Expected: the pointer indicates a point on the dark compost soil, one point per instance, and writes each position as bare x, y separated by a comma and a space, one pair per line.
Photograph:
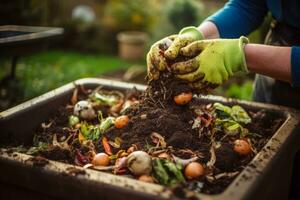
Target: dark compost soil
157, 112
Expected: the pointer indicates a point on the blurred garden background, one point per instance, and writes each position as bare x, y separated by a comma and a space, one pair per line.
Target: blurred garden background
96, 43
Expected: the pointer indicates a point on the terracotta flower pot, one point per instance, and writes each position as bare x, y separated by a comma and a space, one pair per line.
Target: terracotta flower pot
132, 44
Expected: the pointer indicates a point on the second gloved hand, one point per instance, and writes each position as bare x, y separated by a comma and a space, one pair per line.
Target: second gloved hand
186, 36
214, 62
156, 61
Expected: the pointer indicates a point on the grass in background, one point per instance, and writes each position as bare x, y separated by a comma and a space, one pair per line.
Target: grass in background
239, 91
45, 71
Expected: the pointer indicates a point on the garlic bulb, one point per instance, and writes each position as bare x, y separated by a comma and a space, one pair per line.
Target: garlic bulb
84, 110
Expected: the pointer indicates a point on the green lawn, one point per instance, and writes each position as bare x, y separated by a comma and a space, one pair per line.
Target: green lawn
45, 71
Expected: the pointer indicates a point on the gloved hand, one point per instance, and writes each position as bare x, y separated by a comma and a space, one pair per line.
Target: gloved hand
186, 36
216, 60
156, 61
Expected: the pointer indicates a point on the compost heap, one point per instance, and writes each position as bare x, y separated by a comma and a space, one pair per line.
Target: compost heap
164, 135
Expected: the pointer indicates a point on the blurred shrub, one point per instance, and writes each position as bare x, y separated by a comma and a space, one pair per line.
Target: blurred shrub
239, 87
138, 15
181, 13
89, 37
23, 12
243, 91
113, 16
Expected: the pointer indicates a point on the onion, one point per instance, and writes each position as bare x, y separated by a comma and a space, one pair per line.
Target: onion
120, 165
139, 163
101, 159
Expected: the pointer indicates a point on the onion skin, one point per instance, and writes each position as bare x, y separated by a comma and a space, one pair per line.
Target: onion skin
164, 156
120, 165
131, 149
117, 107
184, 162
101, 159
77, 126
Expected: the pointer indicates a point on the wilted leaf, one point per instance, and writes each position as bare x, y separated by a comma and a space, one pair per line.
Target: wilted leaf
158, 139
167, 172
160, 172
104, 99
176, 170
106, 124
236, 113
73, 120
240, 115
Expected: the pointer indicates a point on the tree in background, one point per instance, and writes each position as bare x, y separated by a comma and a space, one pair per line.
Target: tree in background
182, 13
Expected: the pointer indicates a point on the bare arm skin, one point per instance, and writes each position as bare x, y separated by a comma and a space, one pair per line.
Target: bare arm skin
269, 60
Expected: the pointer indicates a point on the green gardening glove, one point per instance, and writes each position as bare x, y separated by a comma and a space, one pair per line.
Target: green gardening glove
214, 62
186, 36
156, 60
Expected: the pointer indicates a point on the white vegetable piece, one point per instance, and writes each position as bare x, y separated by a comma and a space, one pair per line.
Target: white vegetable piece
84, 110
139, 163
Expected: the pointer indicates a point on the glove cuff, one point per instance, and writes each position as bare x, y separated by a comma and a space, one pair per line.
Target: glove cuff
242, 43
192, 31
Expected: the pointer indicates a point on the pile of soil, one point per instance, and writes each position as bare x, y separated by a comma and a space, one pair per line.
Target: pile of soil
157, 112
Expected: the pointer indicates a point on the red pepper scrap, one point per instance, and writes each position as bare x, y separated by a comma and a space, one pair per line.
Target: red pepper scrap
106, 146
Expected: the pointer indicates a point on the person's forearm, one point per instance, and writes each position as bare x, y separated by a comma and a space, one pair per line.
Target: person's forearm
269, 60
209, 30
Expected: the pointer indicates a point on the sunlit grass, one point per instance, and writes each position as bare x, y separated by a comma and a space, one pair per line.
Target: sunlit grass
45, 71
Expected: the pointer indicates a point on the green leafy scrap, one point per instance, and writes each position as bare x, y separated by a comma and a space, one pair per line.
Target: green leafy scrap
176, 170
90, 132
94, 132
106, 124
36, 149
231, 119
236, 113
240, 115
231, 127
104, 99
73, 120
167, 173
160, 172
